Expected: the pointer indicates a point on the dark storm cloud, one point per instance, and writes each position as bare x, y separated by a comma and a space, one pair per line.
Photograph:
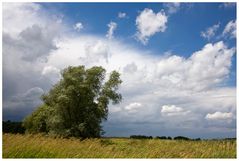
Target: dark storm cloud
24, 55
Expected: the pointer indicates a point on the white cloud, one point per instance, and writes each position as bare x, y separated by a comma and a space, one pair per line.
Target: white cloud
172, 7
149, 23
133, 106
219, 116
96, 51
14, 14
112, 27
230, 29
48, 70
172, 110
52, 73
25, 15
78, 26
203, 69
130, 68
210, 31
121, 15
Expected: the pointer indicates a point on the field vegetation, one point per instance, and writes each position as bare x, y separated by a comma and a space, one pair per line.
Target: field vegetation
41, 146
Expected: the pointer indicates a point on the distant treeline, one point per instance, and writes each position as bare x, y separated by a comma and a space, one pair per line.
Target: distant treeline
141, 137
13, 127
163, 137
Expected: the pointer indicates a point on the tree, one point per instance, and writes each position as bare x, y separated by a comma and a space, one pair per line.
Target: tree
181, 138
38, 121
77, 104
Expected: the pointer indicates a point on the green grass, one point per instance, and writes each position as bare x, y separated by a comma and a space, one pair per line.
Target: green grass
38, 146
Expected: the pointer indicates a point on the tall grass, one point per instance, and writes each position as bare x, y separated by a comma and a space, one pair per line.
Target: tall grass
38, 146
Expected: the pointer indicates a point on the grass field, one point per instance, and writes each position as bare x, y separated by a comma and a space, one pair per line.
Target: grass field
38, 146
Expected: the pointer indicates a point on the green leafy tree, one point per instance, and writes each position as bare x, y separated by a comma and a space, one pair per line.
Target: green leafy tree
77, 104
37, 122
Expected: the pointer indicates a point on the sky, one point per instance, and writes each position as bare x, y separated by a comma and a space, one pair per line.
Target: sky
177, 62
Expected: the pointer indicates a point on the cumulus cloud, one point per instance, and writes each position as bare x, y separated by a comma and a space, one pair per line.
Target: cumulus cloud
51, 73
78, 26
130, 68
121, 15
133, 106
219, 116
25, 15
16, 13
210, 31
112, 27
204, 69
48, 70
96, 51
230, 29
149, 23
35, 42
172, 7
172, 110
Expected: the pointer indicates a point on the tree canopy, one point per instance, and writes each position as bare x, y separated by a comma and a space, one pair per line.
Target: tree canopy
77, 104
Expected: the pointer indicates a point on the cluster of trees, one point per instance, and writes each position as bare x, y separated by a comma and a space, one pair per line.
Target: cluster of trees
141, 137
77, 104
185, 138
163, 137
181, 138
13, 127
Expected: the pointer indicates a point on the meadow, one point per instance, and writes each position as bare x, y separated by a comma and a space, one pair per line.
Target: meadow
39, 146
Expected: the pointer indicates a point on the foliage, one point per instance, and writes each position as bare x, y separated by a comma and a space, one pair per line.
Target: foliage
13, 127
38, 121
141, 137
38, 146
163, 137
77, 104
181, 138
